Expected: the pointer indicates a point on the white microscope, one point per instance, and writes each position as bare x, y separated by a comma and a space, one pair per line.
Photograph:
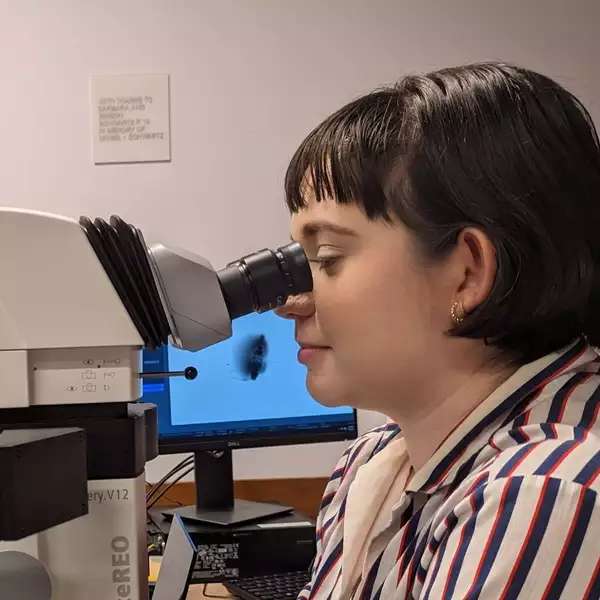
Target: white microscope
78, 302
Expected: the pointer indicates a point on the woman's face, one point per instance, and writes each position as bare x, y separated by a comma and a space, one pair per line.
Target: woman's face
377, 310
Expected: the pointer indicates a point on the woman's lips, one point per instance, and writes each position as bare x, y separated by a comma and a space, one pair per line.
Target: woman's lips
308, 353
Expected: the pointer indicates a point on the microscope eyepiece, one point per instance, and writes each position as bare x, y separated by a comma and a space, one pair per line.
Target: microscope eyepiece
265, 279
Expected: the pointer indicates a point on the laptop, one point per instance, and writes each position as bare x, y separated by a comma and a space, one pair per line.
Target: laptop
176, 565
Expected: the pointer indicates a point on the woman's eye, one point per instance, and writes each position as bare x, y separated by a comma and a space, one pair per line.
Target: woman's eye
325, 262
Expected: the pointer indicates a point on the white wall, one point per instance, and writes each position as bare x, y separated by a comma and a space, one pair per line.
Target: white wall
249, 79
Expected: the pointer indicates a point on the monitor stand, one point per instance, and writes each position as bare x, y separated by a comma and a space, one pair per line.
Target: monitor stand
215, 504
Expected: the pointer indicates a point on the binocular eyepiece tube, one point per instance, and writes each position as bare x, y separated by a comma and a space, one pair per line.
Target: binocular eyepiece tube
264, 280
255, 283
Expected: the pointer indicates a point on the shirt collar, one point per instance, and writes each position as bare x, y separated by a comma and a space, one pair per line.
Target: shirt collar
454, 458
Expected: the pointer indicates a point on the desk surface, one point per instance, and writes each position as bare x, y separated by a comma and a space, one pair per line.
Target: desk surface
214, 589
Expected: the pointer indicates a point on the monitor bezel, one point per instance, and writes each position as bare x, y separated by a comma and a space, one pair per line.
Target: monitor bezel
175, 444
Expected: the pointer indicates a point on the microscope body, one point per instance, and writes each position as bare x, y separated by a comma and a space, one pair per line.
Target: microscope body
70, 357
78, 303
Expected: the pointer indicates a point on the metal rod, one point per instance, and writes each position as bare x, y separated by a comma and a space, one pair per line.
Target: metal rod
188, 373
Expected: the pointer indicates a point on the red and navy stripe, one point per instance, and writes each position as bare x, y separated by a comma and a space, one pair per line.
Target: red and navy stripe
533, 540
327, 567
572, 544
450, 522
504, 513
466, 535
588, 474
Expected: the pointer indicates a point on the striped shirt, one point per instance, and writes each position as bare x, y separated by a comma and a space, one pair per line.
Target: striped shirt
506, 508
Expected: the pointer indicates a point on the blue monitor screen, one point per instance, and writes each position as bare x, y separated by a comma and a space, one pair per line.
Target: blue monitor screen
250, 391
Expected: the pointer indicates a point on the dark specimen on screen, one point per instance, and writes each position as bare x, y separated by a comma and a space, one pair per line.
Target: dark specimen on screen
252, 356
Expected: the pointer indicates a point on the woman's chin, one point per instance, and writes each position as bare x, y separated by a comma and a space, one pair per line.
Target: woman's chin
324, 390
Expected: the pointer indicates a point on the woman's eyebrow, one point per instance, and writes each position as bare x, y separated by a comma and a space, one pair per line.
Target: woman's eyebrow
312, 228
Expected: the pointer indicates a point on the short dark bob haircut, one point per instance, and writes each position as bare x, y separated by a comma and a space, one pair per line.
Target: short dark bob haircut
489, 145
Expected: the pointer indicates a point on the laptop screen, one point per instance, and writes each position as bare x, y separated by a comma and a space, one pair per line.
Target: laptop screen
176, 565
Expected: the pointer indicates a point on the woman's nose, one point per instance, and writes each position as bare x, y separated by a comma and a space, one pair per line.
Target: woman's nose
297, 307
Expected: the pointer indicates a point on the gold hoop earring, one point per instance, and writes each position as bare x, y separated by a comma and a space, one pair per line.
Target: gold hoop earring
457, 313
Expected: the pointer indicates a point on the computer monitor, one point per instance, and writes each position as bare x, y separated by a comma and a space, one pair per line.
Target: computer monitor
250, 391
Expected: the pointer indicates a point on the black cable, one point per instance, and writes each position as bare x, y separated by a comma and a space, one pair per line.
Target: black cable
181, 464
165, 490
156, 487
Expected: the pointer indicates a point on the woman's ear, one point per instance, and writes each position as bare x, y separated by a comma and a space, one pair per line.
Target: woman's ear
477, 258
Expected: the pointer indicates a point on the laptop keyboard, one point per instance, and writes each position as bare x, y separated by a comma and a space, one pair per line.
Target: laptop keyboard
281, 586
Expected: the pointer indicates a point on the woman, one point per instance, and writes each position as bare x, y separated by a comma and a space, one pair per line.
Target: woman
453, 221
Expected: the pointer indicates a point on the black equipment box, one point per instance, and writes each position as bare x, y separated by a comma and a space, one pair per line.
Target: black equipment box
44, 479
277, 545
